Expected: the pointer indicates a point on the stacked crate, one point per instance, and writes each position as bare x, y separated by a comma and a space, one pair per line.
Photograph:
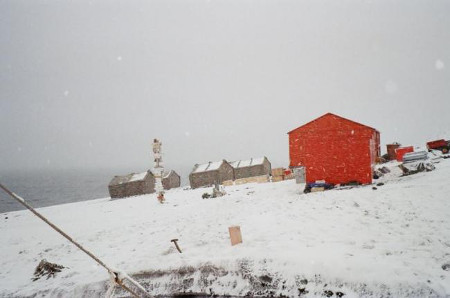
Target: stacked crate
257, 179
277, 174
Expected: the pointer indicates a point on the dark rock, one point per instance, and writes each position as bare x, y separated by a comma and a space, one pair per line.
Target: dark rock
380, 184
265, 279
446, 267
339, 294
374, 188
328, 293
307, 189
302, 291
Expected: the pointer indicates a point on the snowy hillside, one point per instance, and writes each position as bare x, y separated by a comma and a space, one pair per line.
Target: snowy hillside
392, 241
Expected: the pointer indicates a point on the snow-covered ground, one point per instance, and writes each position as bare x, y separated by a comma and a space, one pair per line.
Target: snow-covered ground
392, 241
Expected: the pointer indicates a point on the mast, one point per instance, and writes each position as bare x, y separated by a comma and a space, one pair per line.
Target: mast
158, 169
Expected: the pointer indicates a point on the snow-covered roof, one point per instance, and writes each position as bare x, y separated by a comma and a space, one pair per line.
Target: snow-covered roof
247, 163
210, 166
138, 177
117, 180
133, 177
167, 173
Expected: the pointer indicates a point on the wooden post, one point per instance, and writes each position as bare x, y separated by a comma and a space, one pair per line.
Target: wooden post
235, 235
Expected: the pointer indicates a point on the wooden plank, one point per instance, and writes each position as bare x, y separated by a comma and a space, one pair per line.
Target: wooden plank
235, 235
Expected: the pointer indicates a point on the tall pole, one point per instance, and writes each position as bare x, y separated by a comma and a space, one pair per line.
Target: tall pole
158, 169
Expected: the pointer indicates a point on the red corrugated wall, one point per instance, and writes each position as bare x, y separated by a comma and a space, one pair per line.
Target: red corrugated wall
335, 149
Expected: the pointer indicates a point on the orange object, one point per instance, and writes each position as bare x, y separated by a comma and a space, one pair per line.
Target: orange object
235, 235
335, 149
402, 151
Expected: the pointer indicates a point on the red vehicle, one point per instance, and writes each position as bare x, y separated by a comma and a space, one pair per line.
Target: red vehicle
441, 145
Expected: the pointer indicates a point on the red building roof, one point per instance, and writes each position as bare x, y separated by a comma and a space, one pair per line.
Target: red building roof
331, 114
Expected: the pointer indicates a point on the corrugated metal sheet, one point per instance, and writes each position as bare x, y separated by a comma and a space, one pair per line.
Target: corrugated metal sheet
415, 156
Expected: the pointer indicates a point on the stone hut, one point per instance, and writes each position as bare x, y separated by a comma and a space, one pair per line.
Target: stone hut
171, 180
253, 167
210, 173
141, 184
132, 185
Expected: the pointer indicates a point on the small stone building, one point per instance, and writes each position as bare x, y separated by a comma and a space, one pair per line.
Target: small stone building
171, 180
251, 168
140, 184
210, 173
132, 185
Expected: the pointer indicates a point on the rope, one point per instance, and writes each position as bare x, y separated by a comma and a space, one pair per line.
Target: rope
114, 274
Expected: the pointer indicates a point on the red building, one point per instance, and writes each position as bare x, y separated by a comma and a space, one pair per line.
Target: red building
335, 149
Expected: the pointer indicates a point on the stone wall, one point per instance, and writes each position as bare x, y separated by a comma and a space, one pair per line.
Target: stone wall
134, 188
203, 178
172, 181
209, 178
253, 171
226, 172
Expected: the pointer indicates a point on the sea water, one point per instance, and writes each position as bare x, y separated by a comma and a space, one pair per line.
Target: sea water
41, 188
47, 187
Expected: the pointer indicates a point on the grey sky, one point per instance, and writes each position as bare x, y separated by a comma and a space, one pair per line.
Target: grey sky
88, 84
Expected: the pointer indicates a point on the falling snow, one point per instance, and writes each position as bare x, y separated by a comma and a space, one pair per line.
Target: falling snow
390, 87
439, 65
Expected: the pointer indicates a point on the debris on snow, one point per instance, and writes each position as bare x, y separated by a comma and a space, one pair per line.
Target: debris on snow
416, 167
46, 269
